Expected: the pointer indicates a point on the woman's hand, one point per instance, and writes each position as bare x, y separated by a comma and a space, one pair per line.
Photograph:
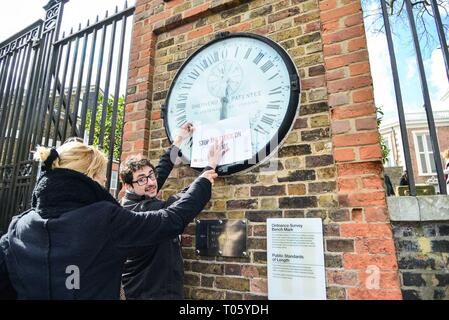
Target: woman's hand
216, 152
209, 175
185, 132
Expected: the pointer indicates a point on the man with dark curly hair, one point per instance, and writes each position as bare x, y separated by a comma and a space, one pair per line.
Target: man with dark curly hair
158, 271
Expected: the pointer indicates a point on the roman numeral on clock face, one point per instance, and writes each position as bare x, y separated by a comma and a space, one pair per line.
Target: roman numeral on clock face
194, 74
182, 97
267, 66
260, 130
181, 119
267, 119
258, 58
248, 52
181, 106
204, 63
273, 106
224, 53
187, 85
277, 90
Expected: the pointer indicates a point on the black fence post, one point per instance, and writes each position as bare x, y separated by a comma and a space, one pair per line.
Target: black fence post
427, 103
399, 102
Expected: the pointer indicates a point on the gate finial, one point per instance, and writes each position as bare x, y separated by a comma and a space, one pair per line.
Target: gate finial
51, 3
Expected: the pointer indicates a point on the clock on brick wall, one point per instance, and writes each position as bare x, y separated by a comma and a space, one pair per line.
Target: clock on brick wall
237, 74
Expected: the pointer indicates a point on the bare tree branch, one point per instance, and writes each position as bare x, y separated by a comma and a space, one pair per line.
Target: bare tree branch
424, 17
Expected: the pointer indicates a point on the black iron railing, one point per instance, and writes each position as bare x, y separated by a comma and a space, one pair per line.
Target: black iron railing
52, 89
424, 89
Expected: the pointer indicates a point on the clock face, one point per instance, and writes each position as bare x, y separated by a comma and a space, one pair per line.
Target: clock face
237, 75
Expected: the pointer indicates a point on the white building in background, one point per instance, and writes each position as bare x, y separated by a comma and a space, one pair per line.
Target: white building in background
419, 139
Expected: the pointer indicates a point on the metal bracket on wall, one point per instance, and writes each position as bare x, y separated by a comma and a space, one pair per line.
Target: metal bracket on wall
295, 82
163, 108
221, 35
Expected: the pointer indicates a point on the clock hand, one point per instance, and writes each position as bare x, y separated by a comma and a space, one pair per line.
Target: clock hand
224, 103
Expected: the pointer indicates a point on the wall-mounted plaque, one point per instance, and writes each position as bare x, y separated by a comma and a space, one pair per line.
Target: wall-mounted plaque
225, 238
295, 259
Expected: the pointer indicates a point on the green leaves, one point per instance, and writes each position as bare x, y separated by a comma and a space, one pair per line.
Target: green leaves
108, 124
384, 148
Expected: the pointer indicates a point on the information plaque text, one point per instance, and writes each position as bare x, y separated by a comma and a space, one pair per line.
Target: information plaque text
225, 238
295, 259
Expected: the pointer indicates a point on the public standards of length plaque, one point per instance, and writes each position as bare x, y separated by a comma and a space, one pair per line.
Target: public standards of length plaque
295, 259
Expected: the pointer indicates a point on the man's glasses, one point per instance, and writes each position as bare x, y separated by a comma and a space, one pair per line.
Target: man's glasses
144, 180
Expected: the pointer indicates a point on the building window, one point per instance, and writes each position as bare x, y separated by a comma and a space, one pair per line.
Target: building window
424, 154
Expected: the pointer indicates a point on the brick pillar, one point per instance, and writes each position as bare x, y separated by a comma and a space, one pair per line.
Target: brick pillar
357, 155
327, 42
140, 82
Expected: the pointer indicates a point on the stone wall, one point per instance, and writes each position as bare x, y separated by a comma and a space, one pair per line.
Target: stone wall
423, 258
332, 173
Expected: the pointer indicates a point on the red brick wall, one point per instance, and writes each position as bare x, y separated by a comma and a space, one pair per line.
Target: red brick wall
357, 153
327, 43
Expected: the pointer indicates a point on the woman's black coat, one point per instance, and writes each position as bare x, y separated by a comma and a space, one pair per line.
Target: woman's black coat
76, 225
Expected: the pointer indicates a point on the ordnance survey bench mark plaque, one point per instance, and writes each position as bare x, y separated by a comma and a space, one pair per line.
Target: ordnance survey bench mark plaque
295, 259
225, 238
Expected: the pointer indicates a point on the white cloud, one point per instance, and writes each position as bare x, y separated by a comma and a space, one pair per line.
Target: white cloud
18, 14
381, 72
79, 11
408, 72
412, 71
438, 82
379, 61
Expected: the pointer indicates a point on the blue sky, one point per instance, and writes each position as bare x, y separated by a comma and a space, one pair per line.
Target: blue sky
18, 14
407, 65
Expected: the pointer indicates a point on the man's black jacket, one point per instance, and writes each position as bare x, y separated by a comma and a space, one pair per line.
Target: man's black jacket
157, 272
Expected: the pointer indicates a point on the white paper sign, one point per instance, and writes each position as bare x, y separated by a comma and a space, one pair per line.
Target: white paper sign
236, 135
295, 259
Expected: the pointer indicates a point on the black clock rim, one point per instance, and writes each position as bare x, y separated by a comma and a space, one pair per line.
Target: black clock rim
287, 122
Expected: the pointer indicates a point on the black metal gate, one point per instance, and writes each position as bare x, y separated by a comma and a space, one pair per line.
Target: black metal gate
409, 9
52, 89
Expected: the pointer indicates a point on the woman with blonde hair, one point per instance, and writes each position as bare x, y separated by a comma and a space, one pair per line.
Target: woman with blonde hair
74, 240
